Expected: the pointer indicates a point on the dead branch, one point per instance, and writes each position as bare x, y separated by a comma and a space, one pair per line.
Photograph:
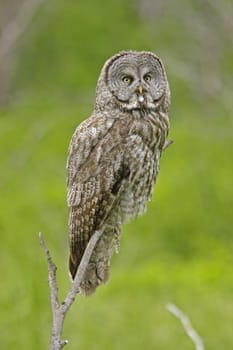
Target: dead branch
167, 144
189, 330
59, 311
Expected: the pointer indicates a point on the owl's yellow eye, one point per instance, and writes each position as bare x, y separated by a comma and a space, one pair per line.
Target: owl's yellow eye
147, 77
127, 79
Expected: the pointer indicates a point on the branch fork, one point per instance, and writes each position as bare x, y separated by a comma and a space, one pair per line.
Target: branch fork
59, 311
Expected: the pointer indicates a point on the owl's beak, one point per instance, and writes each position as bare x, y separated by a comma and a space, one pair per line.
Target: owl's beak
140, 89
140, 97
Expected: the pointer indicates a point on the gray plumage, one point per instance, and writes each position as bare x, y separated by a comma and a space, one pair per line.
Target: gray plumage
113, 159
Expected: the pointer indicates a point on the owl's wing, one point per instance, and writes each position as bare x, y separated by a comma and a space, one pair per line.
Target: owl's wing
95, 173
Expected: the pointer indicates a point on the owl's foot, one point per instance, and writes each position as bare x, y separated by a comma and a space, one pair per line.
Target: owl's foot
96, 274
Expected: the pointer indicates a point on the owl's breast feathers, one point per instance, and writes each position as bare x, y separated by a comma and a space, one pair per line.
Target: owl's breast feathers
112, 167
143, 147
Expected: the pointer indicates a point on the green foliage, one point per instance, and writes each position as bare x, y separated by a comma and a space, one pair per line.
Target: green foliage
179, 251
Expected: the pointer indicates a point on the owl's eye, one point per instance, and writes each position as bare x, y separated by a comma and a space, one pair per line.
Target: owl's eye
147, 77
127, 79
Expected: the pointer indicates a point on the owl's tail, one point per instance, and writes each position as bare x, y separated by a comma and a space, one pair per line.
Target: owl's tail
97, 271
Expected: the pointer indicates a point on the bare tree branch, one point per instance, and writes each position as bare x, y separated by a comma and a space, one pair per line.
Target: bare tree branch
189, 330
81, 270
52, 269
167, 144
59, 311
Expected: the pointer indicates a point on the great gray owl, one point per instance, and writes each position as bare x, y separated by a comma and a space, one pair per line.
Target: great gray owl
113, 159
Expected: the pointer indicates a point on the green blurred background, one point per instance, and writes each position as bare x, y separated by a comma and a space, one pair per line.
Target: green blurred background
180, 251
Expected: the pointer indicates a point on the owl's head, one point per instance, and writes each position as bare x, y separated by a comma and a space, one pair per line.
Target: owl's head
133, 80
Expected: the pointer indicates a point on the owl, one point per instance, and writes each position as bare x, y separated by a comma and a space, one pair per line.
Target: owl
113, 158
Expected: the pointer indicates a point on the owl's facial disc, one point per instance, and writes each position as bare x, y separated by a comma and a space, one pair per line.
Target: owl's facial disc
136, 81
